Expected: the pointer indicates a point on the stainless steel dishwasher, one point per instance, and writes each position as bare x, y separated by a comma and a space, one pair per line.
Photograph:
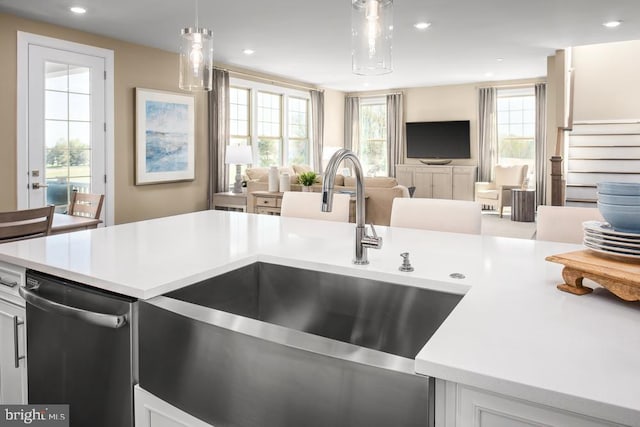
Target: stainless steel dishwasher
81, 349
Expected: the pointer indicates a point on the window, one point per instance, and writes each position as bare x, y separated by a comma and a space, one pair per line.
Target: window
372, 147
269, 129
67, 123
274, 120
239, 116
298, 150
516, 129
239, 124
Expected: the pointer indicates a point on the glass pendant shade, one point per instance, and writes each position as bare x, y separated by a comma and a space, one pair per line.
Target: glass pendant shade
196, 59
371, 36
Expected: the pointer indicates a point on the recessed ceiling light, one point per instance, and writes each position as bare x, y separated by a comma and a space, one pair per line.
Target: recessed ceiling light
499, 59
422, 25
489, 74
612, 24
78, 10
248, 51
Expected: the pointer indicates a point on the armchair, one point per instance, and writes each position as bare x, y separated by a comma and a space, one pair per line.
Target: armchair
497, 193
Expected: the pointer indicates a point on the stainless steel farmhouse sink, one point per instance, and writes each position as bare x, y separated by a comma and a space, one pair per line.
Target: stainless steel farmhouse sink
274, 346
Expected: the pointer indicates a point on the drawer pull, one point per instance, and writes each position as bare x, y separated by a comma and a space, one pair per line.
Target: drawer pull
6, 283
16, 353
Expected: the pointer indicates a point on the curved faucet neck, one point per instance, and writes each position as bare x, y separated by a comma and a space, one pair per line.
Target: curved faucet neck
328, 183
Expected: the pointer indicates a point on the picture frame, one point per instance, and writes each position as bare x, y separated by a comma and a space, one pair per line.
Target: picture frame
165, 137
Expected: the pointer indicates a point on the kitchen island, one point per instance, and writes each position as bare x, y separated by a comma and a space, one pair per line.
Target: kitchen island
513, 335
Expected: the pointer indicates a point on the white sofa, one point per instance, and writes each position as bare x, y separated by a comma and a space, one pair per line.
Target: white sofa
380, 191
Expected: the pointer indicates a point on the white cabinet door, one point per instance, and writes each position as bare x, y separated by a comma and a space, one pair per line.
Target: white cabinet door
470, 407
464, 179
430, 181
442, 184
404, 175
424, 183
13, 363
151, 411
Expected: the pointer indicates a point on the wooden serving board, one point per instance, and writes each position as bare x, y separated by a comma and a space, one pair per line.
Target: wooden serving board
622, 278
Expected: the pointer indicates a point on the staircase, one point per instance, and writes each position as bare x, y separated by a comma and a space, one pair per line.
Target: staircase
600, 151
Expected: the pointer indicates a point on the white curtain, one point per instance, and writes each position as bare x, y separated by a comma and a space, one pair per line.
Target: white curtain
487, 129
541, 142
395, 131
317, 133
351, 121
218, 133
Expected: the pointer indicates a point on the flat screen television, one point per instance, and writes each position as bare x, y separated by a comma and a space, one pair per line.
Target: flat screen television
439, 140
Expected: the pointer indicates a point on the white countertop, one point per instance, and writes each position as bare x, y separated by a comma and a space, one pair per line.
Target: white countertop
513, 333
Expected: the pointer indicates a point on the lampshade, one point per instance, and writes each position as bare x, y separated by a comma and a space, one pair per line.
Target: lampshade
238, 155
371, 36
196, 58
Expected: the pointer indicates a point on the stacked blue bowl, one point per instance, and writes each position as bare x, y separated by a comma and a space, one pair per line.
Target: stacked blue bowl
619, 204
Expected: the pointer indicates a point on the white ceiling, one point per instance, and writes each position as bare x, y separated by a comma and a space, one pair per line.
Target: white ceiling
310, 41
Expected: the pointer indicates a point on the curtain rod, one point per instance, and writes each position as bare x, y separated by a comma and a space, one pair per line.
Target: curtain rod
268, 80
514, 85
372, 94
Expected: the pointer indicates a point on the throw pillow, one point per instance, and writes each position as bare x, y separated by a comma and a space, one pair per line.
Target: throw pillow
301, 169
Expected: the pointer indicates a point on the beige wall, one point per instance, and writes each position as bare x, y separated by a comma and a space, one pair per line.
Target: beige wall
453, 102
607, 81
135, 66
440, 103
333, 118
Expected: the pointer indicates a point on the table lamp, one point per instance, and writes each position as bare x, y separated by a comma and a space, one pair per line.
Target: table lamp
238, 155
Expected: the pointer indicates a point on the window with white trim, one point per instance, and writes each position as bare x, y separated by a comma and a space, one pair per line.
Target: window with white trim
274, 120
517, 129
239, 122
372, 146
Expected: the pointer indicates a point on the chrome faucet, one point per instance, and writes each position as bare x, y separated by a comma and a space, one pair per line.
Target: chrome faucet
363, 241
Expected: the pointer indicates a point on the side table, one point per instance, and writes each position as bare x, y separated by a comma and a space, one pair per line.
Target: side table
267, 203
229, 201
523, 205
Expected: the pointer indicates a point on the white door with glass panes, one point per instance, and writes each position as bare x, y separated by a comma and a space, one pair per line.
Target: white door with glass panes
66, 126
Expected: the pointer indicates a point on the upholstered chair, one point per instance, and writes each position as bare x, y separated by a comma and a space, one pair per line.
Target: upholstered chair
455, 216
308, 205
564, 223
497, 193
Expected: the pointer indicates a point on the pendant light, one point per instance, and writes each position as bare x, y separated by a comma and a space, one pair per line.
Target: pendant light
371, 35
196, 58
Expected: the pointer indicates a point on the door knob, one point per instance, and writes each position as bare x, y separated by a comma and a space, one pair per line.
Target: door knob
37, 186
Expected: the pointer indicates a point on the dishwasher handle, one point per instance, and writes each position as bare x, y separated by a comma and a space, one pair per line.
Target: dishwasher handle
112, 321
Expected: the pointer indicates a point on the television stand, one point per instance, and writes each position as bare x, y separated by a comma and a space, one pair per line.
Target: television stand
438, 181
435, 162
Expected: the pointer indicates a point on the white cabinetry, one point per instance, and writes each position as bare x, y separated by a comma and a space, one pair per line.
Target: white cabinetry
13, 364
438, 182
151, 411
461, 406
434, 183
464, 182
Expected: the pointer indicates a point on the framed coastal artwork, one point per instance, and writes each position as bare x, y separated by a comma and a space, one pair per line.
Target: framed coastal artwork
165, 134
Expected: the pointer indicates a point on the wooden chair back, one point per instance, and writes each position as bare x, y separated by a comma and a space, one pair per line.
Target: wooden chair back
86, 204
25, 224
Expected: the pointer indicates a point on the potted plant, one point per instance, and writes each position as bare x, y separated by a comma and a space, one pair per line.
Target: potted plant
307, 179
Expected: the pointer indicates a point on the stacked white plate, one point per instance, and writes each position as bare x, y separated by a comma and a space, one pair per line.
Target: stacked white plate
601, 237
